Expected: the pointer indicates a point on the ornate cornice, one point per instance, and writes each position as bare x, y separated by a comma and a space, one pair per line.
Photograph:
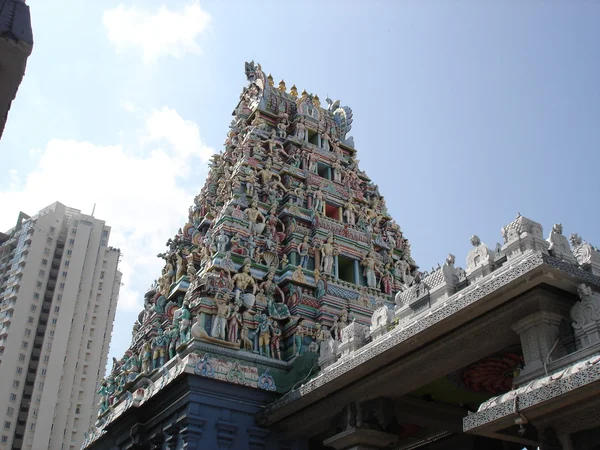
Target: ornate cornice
503, 276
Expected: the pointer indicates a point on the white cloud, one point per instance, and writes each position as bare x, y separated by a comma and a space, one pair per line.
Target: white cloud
164, 32
137, 191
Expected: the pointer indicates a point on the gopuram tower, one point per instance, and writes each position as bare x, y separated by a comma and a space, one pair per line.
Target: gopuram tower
286, 245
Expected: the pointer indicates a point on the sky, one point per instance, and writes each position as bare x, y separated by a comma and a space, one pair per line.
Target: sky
465, 113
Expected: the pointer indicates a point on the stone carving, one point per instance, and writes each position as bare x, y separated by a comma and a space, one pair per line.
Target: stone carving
586, 255
328, 254
480, 259
559, 245
586, 316
381, 319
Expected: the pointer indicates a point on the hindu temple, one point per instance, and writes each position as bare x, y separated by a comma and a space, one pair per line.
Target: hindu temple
290, 314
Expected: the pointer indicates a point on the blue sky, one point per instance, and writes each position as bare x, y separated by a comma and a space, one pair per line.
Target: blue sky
465, 113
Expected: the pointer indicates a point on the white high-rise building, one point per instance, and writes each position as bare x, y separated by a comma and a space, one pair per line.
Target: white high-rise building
59, 284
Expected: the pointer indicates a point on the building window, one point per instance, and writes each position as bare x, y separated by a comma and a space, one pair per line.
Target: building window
21, 357
4, 439
10, 410
6, 425
42, 273
32, 426
44, 262
43, 372
73, 231
13, 397
35, 412
69, 252
36, 296
25, 344
19, 370
59, 297
56, 309
41, 385
51, 333
89, 345
49, 346
38, 285
27, 331
47, 251
332, 212
54, 320
49, 241
33, 307
71, 241
52, 230
100, 286
62, 285
67, 263
38, 398
16, 383
64, 274
102, 275
30, 319
46, 358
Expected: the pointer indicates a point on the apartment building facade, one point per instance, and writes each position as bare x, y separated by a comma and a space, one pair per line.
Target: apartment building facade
59, 285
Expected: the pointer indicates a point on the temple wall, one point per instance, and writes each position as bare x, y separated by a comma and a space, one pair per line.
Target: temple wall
197, 413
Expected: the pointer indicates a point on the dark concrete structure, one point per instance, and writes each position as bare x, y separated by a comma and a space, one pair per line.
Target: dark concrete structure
16, 43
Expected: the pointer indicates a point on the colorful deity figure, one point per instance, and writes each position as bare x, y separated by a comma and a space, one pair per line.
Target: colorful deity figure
264, 335
253, 215
328, 253
104, 397
321, 284
303, 251
219, 323
275, 339
146, 357
159, 344
234, 322
370, 265
387, 280
272, 222
300, 129
222, 240
183, 316
278, 311
299, 334
242, 280
174, 336
318, 204
350, 213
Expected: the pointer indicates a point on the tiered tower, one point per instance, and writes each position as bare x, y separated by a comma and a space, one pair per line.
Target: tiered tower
286, 244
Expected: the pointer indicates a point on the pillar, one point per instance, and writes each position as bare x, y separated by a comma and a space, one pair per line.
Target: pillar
538, 333
335, 267
356, 266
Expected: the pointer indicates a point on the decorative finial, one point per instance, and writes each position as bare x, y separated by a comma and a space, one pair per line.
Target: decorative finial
304, 94
270, 80
294, 91
282, 86
316, 101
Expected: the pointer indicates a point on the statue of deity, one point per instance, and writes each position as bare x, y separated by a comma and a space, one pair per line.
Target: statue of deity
219, 324
173, 335
276, 310
183, 316
234, 322
222, 240
253, 215
275, 339
319, 204
303, 250
159, 344
301, 331
242, 280
370, 265
328, 253
264, 335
